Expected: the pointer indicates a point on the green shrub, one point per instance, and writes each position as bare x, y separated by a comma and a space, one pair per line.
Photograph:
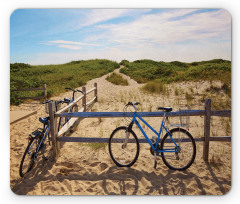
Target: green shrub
124, 62
117, 79
144, 71
155, 87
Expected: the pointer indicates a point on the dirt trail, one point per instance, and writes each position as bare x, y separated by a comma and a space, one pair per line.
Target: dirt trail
85, 169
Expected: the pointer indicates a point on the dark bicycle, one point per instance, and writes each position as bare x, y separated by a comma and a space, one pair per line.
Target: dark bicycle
37, 143
63, 121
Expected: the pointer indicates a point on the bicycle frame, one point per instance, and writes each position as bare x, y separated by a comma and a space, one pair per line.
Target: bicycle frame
134, 120
45, 131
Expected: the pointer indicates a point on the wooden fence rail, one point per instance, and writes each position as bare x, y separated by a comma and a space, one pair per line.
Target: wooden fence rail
207, 113
34, 89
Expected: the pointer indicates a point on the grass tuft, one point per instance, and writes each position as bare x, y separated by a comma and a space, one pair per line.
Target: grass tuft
155, 87
117, 79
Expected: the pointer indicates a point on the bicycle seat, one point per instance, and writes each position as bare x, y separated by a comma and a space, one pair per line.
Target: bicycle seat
44, 120
66, 100
167, 109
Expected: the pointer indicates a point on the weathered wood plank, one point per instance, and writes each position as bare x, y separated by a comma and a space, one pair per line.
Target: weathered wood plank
90, 90
45, 91
84, 99
31, 89
53, 129
36, 97
95, 92
220, 138
129, 114
92, 100
70, 105
70, 123
222, 113
207, 125
106, 140
16, 116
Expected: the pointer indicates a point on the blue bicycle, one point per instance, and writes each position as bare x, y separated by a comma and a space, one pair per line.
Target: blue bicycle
177, 147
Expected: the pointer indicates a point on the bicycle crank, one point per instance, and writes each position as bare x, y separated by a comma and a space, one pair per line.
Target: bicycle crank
158, 148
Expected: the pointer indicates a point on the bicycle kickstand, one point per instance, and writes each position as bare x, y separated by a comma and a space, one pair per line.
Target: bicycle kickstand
155, 160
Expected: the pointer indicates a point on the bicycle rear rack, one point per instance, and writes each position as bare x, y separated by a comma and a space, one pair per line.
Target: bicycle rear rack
36, 133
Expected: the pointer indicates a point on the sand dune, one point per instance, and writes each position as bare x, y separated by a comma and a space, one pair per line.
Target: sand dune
82, 170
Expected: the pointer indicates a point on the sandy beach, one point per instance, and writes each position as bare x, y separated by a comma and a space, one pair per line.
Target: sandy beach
82, 170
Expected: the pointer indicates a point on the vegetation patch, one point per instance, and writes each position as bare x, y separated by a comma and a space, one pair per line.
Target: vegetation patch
155, 87
57, 77
144, 71
117, 79
156, 74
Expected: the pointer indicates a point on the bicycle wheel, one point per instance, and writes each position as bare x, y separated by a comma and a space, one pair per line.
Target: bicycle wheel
184, 158
123, 154
29, 157
61, 123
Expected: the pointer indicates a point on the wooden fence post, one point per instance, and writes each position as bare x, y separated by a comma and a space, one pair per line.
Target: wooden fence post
45, 91
84, 100
95, 91
207, 119
53, 129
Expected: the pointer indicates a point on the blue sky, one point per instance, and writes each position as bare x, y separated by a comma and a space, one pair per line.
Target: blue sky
55, 36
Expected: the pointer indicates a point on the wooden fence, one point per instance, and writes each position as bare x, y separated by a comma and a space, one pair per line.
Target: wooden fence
34, 89
207, 113
53, 119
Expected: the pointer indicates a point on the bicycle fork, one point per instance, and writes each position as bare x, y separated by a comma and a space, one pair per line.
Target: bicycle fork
126, 140
129, 128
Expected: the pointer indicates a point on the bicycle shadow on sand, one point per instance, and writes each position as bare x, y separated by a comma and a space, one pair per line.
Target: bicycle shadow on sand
117, 180
22, 186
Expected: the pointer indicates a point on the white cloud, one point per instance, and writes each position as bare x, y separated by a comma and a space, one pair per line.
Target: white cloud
157, 28
70, 43
100, 15
67, 44
166, 36
71, 47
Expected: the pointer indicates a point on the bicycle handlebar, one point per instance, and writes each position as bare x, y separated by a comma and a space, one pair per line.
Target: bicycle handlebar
74, 90
69, 88
133, 104
57, 102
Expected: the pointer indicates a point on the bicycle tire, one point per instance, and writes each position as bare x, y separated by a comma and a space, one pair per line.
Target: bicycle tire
61, 123
29, 164
116, 151
184, 146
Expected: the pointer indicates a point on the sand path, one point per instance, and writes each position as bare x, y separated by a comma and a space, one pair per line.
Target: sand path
83, 170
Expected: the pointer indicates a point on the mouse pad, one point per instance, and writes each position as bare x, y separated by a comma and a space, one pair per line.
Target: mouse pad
120, 101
